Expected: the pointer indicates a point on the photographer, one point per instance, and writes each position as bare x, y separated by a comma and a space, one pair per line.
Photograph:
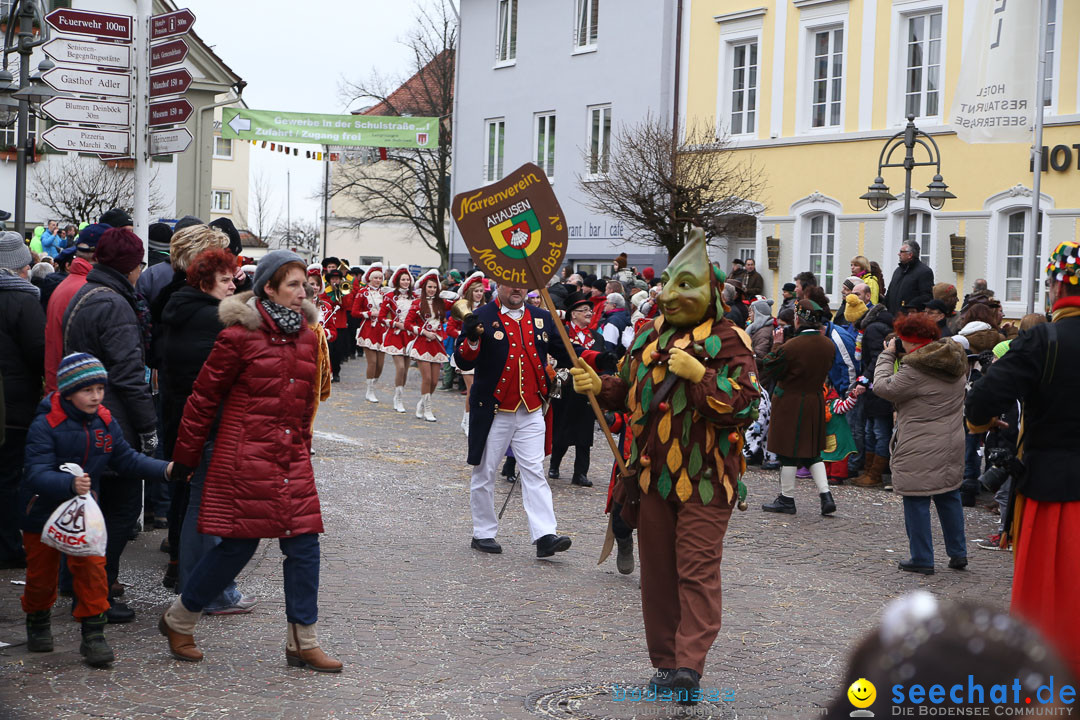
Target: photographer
1001, 461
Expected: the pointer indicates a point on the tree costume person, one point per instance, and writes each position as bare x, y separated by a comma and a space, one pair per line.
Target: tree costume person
690, 388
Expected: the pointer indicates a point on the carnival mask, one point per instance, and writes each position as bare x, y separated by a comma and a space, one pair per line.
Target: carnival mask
687, 280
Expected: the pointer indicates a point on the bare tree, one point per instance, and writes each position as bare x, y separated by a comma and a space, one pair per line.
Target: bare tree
300, 235
658, 193
407, 186
79, 189
262, 210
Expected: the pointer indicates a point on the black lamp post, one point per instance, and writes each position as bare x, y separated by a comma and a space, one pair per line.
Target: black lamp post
878, 196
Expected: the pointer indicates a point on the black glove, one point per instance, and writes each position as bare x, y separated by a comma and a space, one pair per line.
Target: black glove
472, 328
148, 443
607, 363
180, 472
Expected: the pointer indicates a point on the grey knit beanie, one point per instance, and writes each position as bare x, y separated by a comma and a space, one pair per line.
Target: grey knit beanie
269, 264
14, 255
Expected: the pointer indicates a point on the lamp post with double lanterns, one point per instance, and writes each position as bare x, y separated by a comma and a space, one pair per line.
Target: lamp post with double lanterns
878, 196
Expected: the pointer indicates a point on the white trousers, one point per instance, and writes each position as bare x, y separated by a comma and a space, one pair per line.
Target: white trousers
524, 432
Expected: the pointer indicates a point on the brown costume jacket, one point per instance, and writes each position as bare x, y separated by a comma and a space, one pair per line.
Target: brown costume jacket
799, 367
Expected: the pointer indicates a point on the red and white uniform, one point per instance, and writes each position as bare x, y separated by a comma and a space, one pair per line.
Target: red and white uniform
395, 308
366, 308
424, 348
325, 311
337, 316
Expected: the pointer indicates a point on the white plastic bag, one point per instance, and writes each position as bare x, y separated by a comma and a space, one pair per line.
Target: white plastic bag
77, 526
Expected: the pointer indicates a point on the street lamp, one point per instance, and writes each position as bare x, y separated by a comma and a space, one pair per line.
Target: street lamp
878, 196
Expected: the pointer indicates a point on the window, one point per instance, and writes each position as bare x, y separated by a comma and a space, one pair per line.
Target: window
9, 137
919, 231
545, 143
744, 87
223, 148
507, 49
1016, 256
923, 65
828, 83
221, 201
823, 249
493, 162
599, 139
1051, 35
586, 23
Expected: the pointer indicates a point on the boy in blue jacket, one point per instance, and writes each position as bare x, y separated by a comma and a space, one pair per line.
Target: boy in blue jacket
72, 426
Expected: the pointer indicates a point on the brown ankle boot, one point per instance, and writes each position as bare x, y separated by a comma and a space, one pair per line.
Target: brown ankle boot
875, 465
302, 650
177, 624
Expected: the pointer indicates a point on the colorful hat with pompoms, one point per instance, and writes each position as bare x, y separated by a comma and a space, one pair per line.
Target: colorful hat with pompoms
1064, 265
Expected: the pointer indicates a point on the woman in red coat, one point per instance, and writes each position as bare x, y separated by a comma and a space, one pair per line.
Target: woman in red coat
396, 339
258, 385
368, 301
425, 322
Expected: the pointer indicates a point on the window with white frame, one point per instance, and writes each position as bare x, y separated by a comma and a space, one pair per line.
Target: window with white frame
1017, 286
919, 231
826, 95
545, 143
586, 23
744, 88
599, 139
493, 158
823, 250
1051, 47
506, 51
221, 201
922, 63
223, 148
9, 137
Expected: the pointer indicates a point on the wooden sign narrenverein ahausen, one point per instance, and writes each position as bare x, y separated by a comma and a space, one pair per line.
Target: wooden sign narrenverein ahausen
514, 229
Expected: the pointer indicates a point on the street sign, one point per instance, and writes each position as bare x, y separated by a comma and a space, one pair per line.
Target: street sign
171, 82
166, 142
88, 82
87, 140
96, 112
168, 53
170, 112
356, 130
178, 22
86, 52
96, 24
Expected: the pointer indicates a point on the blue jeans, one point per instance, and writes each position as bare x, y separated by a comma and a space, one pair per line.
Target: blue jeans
917, 523
224, 561
855, 420
193, 544
878, 435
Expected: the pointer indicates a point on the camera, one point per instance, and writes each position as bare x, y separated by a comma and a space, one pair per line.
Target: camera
1003, 465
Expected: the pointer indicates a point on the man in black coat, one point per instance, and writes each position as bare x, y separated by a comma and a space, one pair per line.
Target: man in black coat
574, 423
912, 280
507, 343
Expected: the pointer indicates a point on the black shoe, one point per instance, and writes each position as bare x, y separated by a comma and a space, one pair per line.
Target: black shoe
580, 479
690, 681
958, 563
782, 504
161, 523
553, 472
551, 544
39, 631
624, 561
661, 679
967, 498
118, 612
907, 566
509, 468
756, 459
770, 465
165, 546
94, 648
828, 505
335, 378
171, 572
487, 545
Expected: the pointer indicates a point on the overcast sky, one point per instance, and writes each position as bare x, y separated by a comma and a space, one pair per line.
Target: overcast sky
294, 56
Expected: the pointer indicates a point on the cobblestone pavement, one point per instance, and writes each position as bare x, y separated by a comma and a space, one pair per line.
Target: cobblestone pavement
428, 628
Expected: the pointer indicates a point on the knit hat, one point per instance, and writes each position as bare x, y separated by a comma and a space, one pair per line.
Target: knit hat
89, 236
77, 371
854, 308
1064, 265
119, 249
159, 234
648, 273
851, 282
789, 287
186, 221
269, 264
226, 225
116, 218
14, 255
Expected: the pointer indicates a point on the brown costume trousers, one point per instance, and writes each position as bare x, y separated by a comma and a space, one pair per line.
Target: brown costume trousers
680, 546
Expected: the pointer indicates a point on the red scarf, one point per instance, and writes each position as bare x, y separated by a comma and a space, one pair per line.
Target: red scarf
582, 337
1067, 301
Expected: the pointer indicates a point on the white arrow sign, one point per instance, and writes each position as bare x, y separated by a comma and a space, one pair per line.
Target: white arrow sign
84, 52
166, 142
86, 82
87, 140
239, 124
95, 112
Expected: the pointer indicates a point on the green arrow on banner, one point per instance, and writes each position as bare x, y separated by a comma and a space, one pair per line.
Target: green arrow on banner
357, 130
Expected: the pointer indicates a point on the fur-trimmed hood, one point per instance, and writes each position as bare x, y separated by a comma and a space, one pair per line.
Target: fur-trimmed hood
240, 309
944, 359
874, 314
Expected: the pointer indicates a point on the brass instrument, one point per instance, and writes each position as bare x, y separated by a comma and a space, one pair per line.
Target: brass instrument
346, 287
460, 311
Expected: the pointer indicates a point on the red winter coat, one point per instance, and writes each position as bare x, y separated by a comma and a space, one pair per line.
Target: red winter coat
260, 483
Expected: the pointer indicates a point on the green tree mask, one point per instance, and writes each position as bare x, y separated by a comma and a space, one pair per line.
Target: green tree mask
688, 284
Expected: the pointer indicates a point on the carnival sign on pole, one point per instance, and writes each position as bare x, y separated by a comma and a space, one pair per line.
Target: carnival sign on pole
89, 82
352, 130
996, 98
87, 52
91, 112
95, 24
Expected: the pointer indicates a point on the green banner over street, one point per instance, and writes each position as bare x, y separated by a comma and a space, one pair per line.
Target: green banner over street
357, 130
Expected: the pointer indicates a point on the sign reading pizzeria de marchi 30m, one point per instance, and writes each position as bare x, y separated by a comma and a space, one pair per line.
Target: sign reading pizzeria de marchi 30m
514, 229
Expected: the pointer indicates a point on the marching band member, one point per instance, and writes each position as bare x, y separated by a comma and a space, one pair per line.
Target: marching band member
368, 301
337, 319
396, 339
425, 321
472, 289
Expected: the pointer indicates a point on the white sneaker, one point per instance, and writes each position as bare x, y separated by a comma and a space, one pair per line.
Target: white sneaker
244, 605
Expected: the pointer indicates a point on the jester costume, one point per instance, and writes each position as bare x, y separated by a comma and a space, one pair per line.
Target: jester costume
688, 384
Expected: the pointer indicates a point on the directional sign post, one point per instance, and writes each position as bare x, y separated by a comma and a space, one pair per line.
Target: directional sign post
88, 82
355, 130
171, 24
169, 112
166, 142
171, 82
96, 24
168, 53
95, 112
87, 140
87, 52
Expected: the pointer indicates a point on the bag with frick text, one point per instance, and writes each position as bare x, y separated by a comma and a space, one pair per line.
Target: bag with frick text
77, 526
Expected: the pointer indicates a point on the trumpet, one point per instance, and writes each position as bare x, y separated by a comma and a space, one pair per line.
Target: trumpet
346, 287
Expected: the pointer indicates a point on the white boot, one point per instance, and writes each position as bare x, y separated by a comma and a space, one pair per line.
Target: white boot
371, 391
426, 402
420, 408
399, 398
465, 424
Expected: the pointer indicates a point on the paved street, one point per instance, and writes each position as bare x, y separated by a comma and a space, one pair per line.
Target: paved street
428, 628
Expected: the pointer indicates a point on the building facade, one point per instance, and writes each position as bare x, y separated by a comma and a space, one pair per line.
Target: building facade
550, 83
230, 173
811, 90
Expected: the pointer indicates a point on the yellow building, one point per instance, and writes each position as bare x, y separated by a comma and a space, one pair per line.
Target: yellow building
813, 89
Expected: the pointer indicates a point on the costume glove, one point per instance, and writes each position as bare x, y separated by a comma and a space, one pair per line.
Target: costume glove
472, 328
686, 365
585, 378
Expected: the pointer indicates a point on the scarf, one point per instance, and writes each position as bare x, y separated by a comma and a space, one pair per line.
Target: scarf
581, 336
10, 281
1066, 307
289, 321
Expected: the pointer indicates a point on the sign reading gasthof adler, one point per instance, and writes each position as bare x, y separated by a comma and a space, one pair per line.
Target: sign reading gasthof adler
514, 229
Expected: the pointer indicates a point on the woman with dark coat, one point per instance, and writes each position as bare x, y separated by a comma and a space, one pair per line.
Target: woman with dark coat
573, 423
258, 385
